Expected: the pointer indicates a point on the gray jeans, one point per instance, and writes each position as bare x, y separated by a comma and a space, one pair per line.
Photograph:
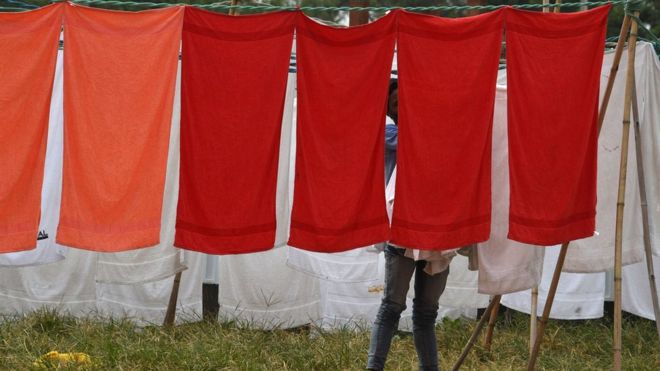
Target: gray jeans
398, 272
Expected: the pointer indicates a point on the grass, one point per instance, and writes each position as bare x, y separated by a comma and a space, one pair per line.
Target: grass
120, 345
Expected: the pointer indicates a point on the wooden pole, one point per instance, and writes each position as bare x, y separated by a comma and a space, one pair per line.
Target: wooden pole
531, 365
645, 210
491, 324
618, 239
625, 26
475, 333
533, 318
233, 11
358, 17
546, 9
171, 306
472, 12
557, 9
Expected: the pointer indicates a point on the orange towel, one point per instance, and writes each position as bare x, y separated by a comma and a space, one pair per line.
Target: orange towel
28, 51
119, 75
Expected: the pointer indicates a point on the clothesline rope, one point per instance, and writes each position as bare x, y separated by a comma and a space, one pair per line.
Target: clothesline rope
355, 8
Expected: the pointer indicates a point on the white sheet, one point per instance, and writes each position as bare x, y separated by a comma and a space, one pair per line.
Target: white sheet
579, 295
636, 291
146, 303
504, 265
596, 254
261, 290
648, 83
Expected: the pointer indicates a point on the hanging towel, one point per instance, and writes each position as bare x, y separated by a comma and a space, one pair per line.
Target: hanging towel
234, 78
553, 69
47, 251
447, 74
28, 43
343, 75
119, 76
163, 260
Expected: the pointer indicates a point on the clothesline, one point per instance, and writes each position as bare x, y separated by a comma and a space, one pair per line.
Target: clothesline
268, 7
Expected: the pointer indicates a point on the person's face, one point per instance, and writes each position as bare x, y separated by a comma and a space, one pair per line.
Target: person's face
393, 103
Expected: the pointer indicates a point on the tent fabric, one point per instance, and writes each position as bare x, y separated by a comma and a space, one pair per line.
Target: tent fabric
164, 260
27, 67
578, 296
444, 151
596, 254
119, 76
553, 64
343, 76
229, 153
47, 250
504, 265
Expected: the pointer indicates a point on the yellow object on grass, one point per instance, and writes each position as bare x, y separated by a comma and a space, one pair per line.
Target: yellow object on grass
55, 358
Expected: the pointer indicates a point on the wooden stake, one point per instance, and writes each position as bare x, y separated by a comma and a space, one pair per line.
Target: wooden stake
557, 9
233, 11
625, 26
618, 239
475, 333
533, 318
531, 365
491, 324
645, 210
171, 306
358, 17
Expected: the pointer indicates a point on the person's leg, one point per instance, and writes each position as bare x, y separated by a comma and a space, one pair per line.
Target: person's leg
398, 271
425, 311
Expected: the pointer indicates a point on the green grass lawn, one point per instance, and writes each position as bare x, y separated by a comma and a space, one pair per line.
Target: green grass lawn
574, 345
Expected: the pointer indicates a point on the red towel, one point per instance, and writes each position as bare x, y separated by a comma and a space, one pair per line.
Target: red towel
28, 47
234, 75
119, 76
339, 194
553, 74
447, 76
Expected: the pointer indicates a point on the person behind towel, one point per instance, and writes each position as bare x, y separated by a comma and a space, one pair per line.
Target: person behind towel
431, 269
